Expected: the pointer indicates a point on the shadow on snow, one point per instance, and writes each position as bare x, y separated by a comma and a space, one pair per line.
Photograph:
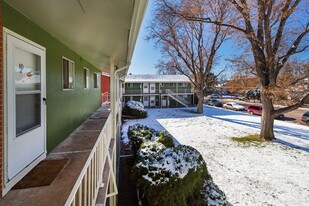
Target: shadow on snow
290, 129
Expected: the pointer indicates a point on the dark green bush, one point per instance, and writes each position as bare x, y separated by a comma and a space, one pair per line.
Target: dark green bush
169, 176
165, 138
135, 109
138, 134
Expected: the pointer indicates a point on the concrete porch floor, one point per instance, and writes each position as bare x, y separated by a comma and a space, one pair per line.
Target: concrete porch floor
76, 148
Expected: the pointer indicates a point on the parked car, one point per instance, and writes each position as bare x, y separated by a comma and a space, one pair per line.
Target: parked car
305, 118
257, 110
214, 96
233, 106
214, 102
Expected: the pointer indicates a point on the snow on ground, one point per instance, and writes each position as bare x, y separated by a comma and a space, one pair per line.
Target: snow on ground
267, 174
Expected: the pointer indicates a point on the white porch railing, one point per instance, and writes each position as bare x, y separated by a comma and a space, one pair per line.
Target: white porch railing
105, 97
97, 172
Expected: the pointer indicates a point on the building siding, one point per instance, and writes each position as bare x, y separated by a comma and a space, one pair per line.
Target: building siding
66, 110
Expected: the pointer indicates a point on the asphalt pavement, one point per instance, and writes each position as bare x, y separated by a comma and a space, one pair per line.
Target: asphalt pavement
293, 116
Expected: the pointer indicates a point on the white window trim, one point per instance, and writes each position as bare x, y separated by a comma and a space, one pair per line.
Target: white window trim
63, 89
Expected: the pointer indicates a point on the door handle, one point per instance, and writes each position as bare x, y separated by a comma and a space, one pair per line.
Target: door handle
45, 100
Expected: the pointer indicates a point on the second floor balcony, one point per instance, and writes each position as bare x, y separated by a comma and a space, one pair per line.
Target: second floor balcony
157, 91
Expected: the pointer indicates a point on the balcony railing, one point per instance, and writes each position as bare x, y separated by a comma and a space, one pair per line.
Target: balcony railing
179, 99
98, 170
161, 91
88, 178
105, 98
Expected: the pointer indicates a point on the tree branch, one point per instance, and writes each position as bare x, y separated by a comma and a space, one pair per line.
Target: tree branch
304, 100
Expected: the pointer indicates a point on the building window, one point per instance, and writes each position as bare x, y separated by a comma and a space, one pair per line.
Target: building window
86, 78
130, 85
171, 84
145, 99
67, 74
95, 80
152, 88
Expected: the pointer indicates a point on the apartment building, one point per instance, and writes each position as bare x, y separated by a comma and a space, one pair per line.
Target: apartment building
163, 91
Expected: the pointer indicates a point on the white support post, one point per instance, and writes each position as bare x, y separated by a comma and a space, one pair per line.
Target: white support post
113, 107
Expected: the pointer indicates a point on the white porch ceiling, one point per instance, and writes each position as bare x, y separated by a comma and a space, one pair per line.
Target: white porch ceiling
96, 29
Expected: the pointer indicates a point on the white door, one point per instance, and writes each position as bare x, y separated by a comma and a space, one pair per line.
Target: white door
146, 101
163, 103
145, 88
152, 101
152, 88
25, 106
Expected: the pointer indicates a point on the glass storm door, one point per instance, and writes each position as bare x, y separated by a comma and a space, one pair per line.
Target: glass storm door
25, 106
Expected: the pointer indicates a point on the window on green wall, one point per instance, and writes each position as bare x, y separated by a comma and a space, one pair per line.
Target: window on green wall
171, 84
95, 80
86, 78
68, 78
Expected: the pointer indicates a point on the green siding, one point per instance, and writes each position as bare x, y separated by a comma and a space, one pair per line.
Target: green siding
66, 110
134, 89
166, 86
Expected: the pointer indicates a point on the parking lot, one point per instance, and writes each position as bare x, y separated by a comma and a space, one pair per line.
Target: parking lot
293, 116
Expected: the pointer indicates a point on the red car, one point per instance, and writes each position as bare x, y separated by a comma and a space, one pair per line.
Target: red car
257, 109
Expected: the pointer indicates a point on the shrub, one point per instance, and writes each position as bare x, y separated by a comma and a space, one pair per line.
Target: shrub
135, 109
169, 176
212, 195
138, 134
165, 138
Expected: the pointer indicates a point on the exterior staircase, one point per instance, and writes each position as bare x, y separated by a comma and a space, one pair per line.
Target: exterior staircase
177, 98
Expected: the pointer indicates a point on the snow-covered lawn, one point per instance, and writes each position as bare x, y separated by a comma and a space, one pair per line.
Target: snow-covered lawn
266, 174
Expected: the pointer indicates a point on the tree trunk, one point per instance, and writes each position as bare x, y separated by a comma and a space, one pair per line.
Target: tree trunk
267, 119
200, 106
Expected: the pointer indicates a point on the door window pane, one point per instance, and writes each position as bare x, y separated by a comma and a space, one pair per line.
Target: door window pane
27, 70
28, 112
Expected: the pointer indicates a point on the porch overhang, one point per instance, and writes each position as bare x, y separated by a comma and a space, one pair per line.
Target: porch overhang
97, 30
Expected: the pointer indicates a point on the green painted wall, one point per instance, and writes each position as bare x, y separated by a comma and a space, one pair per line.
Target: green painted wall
135, 88
66, 110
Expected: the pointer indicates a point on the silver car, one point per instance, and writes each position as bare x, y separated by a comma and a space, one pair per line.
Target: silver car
234, 106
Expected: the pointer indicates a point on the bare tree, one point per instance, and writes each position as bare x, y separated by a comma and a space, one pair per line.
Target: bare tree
276, 30
188, 47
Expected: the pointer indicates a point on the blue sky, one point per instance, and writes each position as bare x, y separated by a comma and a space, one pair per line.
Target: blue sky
146, 55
